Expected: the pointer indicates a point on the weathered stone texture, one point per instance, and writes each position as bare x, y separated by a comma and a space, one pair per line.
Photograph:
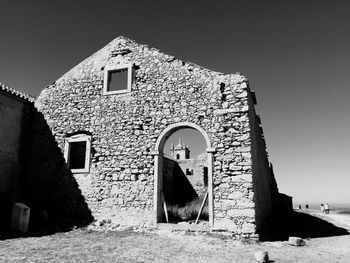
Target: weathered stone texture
125, 127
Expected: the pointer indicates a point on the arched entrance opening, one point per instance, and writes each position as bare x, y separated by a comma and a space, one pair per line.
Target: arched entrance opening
180, 191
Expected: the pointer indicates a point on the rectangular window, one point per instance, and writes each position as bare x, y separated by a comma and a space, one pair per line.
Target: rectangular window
118, 79
77, 153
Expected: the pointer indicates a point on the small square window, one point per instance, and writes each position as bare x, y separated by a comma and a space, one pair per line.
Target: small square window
118, 79
189, 171
77, 153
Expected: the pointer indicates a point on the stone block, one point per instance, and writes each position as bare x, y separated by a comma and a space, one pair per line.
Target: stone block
134, 171
20, 217
261, 256
243, 85
244, 137
243, 149
245, 203
226, 224
227, 204
246, 155
296, 241
244, 109
234, 167
245, 212
235, 195
142, 177
242, 177
248, 228
246, 168
246, 163
224, 185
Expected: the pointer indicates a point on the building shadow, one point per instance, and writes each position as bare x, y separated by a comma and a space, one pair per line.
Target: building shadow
178, 190
46, 186
280, 226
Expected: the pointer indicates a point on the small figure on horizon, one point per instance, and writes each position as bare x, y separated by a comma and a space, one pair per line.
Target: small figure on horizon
322, 209
299, 207
326, 209
307, 206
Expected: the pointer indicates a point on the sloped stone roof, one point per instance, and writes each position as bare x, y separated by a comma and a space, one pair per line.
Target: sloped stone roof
16, 93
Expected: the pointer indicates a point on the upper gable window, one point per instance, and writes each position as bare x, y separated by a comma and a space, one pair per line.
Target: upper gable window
77, 153
118, 79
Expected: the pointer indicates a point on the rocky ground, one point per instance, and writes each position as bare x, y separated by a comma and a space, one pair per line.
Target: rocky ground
164, 246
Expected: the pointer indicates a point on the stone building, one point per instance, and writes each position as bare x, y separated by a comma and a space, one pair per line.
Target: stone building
180, 151
195, 169
15, 111
111, 115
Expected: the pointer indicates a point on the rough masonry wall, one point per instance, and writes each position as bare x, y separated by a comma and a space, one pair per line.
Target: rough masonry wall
119, 186
49, 187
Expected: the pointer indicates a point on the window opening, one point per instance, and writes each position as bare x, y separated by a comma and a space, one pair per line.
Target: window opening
77, 153
118, 79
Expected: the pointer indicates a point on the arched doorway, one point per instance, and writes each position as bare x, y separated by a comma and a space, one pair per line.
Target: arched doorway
159, 172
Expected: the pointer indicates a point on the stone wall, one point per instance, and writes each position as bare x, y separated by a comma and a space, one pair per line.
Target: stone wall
124, 128
263, 179
14, 124
49, 188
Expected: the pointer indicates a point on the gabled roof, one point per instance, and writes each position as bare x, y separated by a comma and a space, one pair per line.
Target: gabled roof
16, 93
122, 46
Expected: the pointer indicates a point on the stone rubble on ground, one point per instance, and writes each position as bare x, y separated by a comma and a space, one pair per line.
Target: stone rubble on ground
296, 241
261, 256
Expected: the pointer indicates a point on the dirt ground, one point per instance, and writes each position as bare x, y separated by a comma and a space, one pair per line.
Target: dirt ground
165, 246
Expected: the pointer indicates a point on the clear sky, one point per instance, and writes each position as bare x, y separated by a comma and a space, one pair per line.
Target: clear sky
295, 53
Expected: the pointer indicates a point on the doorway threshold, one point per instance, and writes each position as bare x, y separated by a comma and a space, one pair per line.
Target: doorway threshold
183, 227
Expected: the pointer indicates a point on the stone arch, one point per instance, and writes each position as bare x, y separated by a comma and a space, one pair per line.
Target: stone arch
158, 167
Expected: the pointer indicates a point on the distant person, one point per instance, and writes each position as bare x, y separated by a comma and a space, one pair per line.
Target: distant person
326, 209
322, 209
299, 207
307, 206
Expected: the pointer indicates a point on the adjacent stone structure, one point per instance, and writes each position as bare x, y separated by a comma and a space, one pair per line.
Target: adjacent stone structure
195, 169
112, 114
180, 151
15, 110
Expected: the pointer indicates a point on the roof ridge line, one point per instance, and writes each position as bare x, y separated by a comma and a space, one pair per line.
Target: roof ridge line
17, 93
